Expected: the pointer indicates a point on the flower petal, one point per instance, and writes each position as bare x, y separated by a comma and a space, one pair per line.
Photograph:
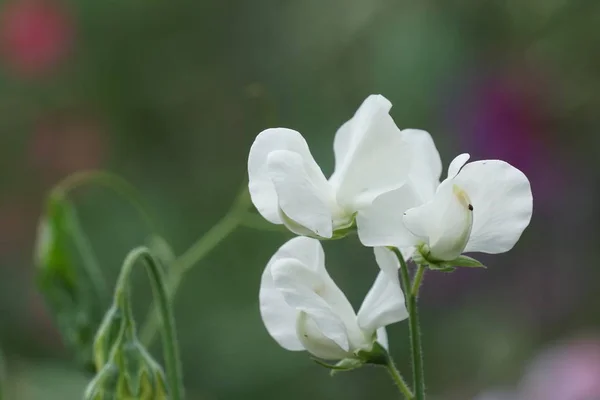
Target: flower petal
385, 303
456, 164
426, 164
359, 175
278, 317
502, 204
445, 221
303, 193
380, 224
302, 290
382, 338
345, 136
262, 190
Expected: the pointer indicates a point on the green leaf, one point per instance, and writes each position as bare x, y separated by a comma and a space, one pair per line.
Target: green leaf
64, 281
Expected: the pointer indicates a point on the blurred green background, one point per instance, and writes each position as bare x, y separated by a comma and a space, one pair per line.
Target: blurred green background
170, 96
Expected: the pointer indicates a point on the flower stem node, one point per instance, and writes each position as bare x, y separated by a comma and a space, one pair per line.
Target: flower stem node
378, 355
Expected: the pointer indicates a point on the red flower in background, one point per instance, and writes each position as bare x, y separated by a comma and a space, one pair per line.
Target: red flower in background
35, 35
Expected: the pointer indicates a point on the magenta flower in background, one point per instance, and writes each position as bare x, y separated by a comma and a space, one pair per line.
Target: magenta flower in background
35, 35
503, 114
567, 372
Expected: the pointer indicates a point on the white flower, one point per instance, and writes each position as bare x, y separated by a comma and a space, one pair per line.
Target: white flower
303, 309
482, 206
372, 156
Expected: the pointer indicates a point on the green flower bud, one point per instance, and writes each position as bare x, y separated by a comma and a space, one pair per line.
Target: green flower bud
129, 371
130, 375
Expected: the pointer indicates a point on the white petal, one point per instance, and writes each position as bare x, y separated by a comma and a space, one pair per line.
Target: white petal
385, 303
382, 338
345, 136
278, 317
445, 222
456, 164
302, 290
372, 156
303, 192
502, 204
261, 187
380, 224
426, 164
315, 342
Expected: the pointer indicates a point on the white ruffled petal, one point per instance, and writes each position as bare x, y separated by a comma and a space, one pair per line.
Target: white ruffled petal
381, 223
456, 164
385, 302
303, 193
502, 204
372, 156
302, 290
445, 222
279, 318
426, 164
262, 190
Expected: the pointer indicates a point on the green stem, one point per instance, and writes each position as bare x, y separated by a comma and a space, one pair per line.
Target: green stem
411, 294
417, 280
169, 334
113, 182
195, 253
397, 378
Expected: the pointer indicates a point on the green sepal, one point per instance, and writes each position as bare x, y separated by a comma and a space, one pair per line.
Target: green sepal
338, 233
378, 355
439, 268
464, 261
347, 364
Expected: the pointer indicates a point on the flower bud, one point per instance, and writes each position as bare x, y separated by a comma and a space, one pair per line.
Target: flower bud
130, 372
126, 369
106, 336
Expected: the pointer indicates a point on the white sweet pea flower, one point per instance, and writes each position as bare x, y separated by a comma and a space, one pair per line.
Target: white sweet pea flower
303, 309
372, 156
482, 206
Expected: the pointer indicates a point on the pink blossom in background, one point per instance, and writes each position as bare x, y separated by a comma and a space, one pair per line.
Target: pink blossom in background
568, 372
35, 35
66, 142
497, 395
